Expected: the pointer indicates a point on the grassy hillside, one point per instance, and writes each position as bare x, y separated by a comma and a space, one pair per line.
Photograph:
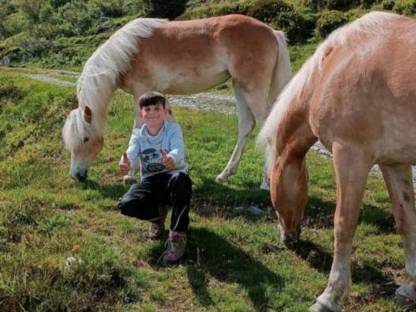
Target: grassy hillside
63, 33
65, 247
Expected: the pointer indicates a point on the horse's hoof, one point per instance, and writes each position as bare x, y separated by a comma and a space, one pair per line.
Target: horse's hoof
265, 186
290, 242
319, 307
404, 301
221, 179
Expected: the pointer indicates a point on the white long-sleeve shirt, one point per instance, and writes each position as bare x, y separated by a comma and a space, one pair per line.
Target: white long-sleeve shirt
145, 148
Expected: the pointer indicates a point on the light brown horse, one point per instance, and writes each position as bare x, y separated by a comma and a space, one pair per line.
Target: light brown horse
179, 57
357, 94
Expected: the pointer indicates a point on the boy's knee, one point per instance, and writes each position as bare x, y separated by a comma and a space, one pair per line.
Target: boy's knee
183, 179
181, 188
124, 206
127, 203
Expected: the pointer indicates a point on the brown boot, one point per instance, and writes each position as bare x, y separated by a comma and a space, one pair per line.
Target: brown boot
176, 247
157, 227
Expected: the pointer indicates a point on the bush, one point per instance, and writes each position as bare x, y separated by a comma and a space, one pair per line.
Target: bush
388, 4
353, 14
278, 13
58, 3
165, 8
109, 8
31, 8
330, 20
407, 7
297, 26
14, 24
318, 5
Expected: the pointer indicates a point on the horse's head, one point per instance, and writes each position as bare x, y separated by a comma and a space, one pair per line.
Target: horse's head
82, 139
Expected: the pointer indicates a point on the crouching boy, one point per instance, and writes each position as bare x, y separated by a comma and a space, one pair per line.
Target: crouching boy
158, 146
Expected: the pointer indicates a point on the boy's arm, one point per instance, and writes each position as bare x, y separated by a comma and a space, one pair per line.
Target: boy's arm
177, 146
133, 149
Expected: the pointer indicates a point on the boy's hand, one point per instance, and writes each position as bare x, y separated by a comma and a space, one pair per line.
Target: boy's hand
124, 164
167, 160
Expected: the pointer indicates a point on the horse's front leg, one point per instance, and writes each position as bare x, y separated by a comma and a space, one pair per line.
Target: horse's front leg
351, 167
289, 194
400, 186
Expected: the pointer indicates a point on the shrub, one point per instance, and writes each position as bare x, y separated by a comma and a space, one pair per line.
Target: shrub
58, 3
165, 8
278, 13
388, 4
407, 7
330, 20
297, 26
318, 5
109, 8
14, 24
353, 14
31, 8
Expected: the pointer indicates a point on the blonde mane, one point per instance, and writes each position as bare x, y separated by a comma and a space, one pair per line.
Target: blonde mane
99, 77
374, 24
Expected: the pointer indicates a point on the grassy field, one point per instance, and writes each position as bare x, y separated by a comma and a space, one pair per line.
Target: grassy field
65, 247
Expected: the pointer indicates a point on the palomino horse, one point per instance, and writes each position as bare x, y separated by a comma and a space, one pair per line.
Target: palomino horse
179, 57
357, 94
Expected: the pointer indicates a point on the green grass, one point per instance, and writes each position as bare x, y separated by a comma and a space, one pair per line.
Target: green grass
65, 247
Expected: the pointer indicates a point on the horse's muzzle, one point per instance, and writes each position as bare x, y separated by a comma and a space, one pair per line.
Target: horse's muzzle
289, 240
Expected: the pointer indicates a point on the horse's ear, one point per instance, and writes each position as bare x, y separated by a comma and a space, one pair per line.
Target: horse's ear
87, 114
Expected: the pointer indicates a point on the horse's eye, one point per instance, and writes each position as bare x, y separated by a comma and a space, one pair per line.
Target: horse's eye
86, 139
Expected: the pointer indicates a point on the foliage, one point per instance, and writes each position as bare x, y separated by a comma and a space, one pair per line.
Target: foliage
279, 14
330, 20
407, 7
284, 16
165, 8
61, 25
318, 5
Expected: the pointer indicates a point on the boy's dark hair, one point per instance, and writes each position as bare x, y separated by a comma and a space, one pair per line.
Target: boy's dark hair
152, 98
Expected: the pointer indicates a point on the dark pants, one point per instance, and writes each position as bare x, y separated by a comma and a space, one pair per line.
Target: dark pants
143, 199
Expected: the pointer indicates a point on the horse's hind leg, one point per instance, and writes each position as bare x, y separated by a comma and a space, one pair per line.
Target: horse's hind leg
246, 124
399, 184
351, 167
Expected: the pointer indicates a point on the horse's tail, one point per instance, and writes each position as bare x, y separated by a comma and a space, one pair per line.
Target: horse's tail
282, 71
297, 89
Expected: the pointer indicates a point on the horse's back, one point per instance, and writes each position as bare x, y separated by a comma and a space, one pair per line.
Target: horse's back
190, 56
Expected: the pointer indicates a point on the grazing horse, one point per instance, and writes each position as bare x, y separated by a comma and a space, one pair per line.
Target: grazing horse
179, 57
357, 95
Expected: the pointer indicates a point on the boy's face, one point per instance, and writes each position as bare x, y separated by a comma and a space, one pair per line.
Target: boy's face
153, 115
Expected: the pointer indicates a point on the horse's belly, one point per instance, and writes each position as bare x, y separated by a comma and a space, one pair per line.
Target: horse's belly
189, 80
401, 152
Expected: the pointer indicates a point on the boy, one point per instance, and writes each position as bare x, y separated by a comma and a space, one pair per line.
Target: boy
158, 146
